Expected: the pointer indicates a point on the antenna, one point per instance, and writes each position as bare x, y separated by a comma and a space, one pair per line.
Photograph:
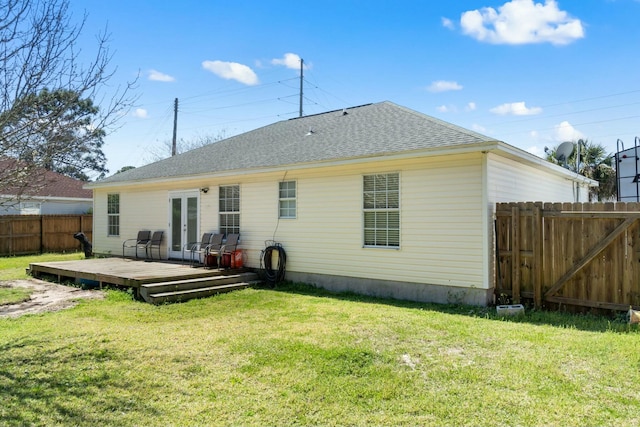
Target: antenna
563, 152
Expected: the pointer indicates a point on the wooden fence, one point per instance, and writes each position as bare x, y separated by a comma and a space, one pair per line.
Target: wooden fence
569, 254
28, 234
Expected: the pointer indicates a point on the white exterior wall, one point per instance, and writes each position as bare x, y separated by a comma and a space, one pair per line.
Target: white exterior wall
509, 181
50, 206
442, 223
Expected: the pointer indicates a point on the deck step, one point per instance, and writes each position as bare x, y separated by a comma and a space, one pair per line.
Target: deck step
182, 296
183, 290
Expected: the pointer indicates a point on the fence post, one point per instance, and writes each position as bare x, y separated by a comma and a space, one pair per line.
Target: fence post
538, 257
515, 254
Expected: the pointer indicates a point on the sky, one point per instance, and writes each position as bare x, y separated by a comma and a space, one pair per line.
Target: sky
531, 73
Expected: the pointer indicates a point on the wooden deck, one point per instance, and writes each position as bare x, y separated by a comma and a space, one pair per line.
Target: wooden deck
121, 271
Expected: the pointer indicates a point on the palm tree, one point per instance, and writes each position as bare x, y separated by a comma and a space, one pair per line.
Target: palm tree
594, 163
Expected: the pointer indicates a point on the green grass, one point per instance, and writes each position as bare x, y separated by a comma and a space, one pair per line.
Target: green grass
13, 295
300, 356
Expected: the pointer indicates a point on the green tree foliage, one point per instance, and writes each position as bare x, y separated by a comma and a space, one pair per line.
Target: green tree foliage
55, 130
594, 163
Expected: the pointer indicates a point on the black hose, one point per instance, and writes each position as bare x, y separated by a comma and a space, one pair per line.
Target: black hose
273, 274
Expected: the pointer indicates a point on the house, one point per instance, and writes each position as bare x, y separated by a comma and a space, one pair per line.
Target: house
375, 199
46, 193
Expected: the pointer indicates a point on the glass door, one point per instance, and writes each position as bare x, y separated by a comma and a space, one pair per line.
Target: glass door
183, 221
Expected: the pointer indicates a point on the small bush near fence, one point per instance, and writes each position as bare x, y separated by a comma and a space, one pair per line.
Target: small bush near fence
29, 234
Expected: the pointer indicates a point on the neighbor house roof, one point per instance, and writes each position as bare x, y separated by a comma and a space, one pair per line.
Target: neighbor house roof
359, 132
46, 184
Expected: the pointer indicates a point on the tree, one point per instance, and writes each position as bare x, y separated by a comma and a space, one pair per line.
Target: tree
49, 95
164, 151
594, 163
54, 129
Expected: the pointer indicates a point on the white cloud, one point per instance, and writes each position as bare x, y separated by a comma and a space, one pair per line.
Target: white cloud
478, 128
157, 76
289, 60
471, 106
566, 132
537, 151
448, 23
232, 71
447, 109
522, 22
443, 86
516, 109
140, 113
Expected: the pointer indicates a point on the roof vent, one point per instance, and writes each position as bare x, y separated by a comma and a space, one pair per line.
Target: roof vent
344, 112
311, 132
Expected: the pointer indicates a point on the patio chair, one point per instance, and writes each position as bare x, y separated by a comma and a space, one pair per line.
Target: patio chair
213, 250
196, 247
139, 242
230, 245
154, 242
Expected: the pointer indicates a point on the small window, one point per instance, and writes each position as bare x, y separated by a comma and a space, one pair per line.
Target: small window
113, 214
229, 208
381, 206
287, 199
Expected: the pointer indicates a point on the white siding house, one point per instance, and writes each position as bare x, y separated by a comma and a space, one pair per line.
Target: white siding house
376, 199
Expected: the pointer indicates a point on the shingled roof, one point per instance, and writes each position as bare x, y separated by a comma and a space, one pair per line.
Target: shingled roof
370, 130
45, 183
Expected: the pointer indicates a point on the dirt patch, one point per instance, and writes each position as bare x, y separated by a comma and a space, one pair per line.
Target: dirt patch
45, 297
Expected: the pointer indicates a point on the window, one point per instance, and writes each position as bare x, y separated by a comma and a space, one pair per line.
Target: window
381, 205
30, 208
229, 208
113, 214
287, 199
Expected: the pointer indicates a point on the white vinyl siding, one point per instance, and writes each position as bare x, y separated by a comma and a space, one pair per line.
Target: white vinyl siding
509, 181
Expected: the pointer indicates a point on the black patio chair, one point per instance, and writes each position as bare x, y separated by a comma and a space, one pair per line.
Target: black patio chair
139, 242
154, 242
196, 247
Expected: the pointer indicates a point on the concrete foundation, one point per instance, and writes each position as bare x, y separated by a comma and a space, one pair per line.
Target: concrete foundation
421, 292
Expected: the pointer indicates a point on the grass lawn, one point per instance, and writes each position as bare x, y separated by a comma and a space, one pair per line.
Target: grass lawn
299, 356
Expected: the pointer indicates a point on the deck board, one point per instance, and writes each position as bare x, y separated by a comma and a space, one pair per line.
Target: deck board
119, 271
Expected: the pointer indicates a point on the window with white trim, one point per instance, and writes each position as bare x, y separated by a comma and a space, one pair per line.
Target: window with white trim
113, 214
229, 209
381, 208
287, 199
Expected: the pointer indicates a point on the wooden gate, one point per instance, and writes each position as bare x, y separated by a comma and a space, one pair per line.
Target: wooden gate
569, 254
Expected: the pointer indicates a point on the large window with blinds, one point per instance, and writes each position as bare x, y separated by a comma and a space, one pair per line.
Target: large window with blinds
229, 209
381, 208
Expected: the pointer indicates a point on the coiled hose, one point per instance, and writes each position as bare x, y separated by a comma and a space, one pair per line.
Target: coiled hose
273, 274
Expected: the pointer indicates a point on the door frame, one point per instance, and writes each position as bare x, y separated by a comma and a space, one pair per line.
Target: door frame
184, 195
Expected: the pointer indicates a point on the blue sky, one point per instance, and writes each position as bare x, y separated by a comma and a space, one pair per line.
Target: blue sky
532, 73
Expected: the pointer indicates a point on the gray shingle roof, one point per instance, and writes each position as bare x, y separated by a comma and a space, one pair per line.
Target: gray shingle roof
366, 131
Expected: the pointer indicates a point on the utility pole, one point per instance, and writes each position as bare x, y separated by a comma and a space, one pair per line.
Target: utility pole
175, 126
301, 79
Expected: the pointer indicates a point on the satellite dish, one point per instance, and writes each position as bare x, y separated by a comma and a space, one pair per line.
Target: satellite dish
563, 152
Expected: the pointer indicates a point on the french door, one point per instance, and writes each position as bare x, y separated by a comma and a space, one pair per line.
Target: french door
184, 218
